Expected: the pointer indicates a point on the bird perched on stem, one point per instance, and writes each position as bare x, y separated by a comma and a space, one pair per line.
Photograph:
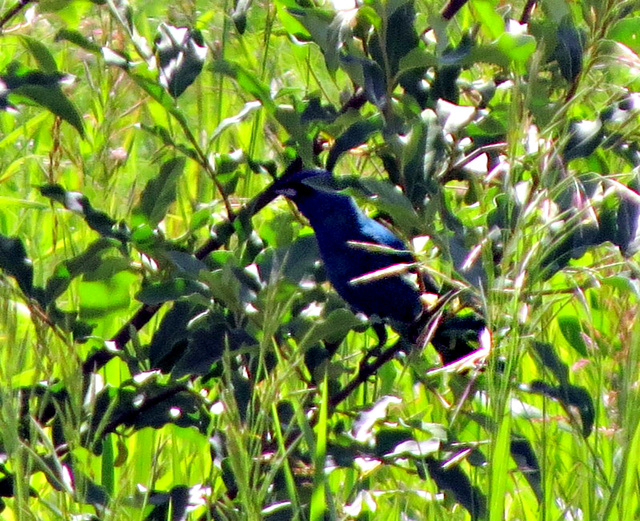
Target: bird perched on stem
368, 265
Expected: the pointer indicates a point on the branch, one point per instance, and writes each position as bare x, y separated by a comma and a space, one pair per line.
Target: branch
219, 236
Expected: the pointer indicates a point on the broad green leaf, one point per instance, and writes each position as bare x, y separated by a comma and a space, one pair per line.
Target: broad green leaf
452, 480
181, 54
86, 262
159, 193
325, 29
43, 89
357, 134
174, 289
627, 32
15, 263
78, 39
572, 331
569, 50
416, 58
516, 47
490, 21
44, 58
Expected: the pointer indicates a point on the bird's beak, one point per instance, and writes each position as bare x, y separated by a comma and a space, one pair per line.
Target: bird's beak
287, 191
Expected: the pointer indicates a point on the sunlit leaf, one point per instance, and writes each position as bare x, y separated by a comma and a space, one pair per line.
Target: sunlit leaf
181, 54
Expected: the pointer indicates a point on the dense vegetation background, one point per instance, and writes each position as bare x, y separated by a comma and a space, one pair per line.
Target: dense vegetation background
170, 348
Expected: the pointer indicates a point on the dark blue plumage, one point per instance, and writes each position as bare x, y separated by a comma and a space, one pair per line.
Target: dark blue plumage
337, 221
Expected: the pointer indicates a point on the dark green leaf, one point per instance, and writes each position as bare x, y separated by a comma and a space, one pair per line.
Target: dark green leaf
162, 133
369, 75
569, 50
170, 339
160, 192
174, 289
239, 14
551, 361
292, 262
86, 262
388, 439
169, 505
44, 89
570, 396
455, 483
584, 137
15, 263
181, 54
325, 29
78, 39
628, 221
40, 52
149, 404
357, 134
400, 37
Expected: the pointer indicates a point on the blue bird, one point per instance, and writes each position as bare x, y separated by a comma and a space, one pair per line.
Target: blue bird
339, 227
343, 232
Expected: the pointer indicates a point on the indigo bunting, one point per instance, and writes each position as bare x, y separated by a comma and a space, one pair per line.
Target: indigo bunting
353, 245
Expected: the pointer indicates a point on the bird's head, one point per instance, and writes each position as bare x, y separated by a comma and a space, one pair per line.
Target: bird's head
304, 184
316, 194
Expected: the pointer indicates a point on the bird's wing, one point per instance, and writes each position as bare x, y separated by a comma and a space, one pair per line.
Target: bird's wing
374, 232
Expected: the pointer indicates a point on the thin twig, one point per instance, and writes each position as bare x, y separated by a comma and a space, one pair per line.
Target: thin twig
19, 6
219, 236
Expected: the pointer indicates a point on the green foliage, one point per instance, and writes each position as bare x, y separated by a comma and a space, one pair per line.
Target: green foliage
171, 348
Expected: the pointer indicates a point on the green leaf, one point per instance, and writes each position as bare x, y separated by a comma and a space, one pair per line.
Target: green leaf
15, 263
490, 21
325, 29
40, 52
527, 462
572, 331
357, 134
247, 81
584, 137
337, 324
174, 289
516, 47
159, 193
569, 50
163, 134
103, 297
78, 39
551, 360
88, 261
455, 483
150, 404
627, 32
44, 89
416, 58
570, 396
181, 54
